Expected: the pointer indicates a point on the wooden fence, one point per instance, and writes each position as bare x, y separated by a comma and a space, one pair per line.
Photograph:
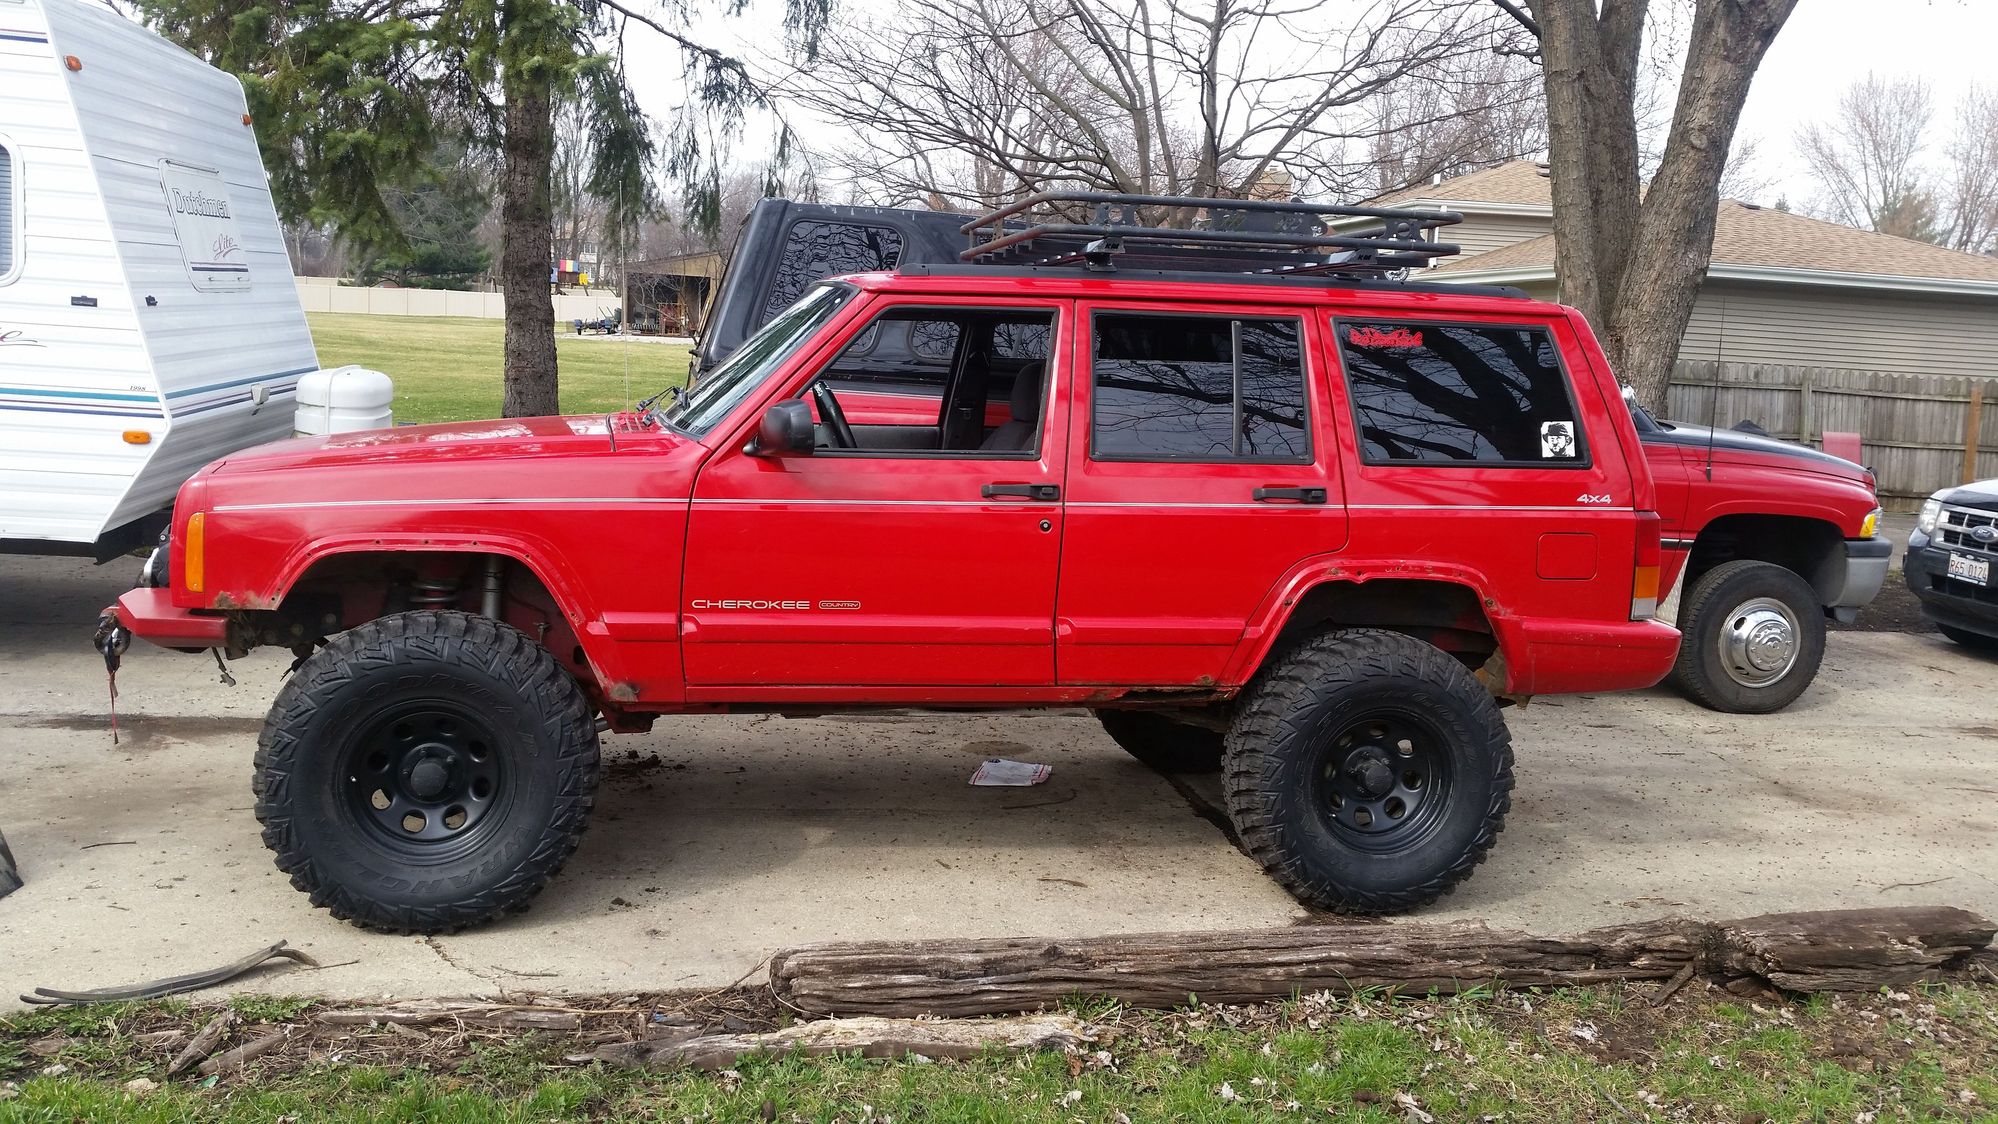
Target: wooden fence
1921, 432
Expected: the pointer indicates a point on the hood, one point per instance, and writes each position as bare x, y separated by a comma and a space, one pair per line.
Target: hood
419, 444
1982, 494
1739, 447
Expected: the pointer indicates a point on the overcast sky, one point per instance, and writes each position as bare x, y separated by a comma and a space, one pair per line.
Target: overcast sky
1825, 46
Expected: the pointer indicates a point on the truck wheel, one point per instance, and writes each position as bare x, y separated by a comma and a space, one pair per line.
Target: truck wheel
1368, 772
426, 772
1161, 743
1753, 638
1975, 641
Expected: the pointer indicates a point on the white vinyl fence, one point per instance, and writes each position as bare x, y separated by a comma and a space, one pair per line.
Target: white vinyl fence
318, 295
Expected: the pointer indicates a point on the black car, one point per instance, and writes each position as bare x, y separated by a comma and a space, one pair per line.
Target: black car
1951, 559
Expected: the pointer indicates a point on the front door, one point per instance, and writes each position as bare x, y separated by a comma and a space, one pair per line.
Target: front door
918, 544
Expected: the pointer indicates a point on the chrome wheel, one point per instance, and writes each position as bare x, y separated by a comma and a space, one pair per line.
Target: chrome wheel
1759, 643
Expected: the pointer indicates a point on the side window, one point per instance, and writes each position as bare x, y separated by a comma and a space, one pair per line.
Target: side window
815, 251
934, 380
1199, 388
1460, 393
10, 213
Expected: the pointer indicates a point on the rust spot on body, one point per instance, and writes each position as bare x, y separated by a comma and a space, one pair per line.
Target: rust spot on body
624, 692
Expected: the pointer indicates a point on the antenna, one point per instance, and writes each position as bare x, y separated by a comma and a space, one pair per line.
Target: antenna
1713, 399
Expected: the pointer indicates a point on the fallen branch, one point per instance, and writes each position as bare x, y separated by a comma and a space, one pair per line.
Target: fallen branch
171, 985
868, 1037
233, 1061
204, 1042
1837, 950
506, 1017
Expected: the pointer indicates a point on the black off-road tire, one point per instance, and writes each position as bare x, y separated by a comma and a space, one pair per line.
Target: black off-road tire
1975, 641
1344, 696
496, 703
1714, 608
1163, 744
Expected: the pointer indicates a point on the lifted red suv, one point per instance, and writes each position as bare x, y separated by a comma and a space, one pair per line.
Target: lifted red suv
1330, 514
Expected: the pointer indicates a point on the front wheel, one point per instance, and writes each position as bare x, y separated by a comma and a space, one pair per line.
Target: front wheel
1368, 772
1752, 638
425, 772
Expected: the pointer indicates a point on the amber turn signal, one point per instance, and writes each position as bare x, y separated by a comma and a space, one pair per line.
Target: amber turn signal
194, 551
138, 437
72, 62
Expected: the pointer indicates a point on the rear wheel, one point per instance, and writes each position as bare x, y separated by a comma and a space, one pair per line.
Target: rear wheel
1160, 742
1973, 640
1753, 636
1368, 772
426, 772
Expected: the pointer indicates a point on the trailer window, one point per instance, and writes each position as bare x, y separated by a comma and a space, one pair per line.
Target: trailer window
10, 213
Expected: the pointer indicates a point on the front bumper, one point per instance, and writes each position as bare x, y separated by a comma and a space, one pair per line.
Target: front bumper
1957, 604
1852, 582
150, 614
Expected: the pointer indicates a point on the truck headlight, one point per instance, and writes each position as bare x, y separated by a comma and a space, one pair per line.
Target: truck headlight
1930, 516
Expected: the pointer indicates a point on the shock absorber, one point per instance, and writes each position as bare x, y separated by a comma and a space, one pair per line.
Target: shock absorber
495, 585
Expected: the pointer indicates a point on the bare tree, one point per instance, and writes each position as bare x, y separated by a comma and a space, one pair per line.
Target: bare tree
968, 103
1633, 259
1474, 114
1866, 158
1969, 194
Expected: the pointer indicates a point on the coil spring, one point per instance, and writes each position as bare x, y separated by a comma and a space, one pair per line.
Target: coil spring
434, 593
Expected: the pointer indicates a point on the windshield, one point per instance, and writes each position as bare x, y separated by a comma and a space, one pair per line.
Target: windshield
711, 399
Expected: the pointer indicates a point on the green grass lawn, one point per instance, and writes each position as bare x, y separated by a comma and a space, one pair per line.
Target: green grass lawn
1584, 1055
448, 368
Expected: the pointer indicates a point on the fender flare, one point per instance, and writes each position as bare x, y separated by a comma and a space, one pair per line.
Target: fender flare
1273, 612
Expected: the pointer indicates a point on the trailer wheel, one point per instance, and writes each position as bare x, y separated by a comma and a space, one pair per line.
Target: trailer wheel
425, 772
1368, 772
1753, 638
1161, 743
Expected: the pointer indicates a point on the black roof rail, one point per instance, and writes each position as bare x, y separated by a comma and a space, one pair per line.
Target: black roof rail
1235, 236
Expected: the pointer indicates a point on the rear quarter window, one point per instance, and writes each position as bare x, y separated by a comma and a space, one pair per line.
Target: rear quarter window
814, 251
1426, 392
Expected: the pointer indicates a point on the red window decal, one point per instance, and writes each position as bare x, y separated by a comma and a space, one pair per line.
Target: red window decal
1375, 337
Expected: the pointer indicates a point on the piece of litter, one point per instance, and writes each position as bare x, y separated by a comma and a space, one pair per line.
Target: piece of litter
997, 772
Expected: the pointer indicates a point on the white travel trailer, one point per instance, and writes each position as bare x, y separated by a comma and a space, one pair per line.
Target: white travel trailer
149, 323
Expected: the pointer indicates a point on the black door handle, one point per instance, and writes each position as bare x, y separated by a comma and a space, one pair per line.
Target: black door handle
1301, 495
1047, 492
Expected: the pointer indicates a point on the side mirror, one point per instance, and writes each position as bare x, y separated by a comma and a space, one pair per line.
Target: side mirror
787, 427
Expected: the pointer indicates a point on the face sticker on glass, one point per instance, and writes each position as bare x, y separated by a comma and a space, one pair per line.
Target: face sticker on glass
1557, 439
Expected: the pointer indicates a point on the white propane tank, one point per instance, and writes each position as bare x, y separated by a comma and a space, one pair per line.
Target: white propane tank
342, 400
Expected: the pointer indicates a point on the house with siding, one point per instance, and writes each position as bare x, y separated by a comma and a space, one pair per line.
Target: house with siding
1781, 289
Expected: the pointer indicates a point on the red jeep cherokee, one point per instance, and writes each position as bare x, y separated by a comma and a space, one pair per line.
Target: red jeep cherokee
1264, 490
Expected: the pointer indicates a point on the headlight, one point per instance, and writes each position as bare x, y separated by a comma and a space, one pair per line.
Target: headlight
1870, 524
1930, 516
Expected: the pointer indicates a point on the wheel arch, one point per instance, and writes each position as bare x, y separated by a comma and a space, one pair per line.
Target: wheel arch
1807, 546
1444, 606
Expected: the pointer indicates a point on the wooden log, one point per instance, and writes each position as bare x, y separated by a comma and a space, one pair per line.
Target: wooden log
233, 1061
204, 1042
1809, 951
868, 1037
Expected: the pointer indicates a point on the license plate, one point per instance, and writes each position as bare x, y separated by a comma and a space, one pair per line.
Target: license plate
1976, 571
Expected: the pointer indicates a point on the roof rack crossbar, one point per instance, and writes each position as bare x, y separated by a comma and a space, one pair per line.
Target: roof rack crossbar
1399, 241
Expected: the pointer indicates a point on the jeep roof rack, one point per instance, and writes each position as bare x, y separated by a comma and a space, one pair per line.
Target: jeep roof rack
1233, 236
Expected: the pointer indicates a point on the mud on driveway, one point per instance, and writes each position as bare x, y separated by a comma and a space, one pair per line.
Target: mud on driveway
719, 840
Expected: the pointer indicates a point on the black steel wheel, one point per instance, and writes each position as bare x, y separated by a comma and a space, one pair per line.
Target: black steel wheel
425, 772
1367, 771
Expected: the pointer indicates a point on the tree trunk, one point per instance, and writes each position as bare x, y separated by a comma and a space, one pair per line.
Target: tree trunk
526, 245
1835, 950
1674, 239
1633, 263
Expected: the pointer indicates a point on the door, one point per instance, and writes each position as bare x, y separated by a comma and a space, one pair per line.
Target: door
1198, 476
918, 544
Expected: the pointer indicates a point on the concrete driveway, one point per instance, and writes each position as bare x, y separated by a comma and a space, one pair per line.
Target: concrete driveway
719, 840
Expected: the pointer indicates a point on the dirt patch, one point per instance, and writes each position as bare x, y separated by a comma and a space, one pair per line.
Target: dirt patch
1894, 610
152, 731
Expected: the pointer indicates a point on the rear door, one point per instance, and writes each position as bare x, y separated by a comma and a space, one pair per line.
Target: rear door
1200, 471
1474, 443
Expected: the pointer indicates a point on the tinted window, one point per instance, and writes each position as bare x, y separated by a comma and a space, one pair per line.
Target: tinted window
709, 400
816, 250
1198, 388
1454, 392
